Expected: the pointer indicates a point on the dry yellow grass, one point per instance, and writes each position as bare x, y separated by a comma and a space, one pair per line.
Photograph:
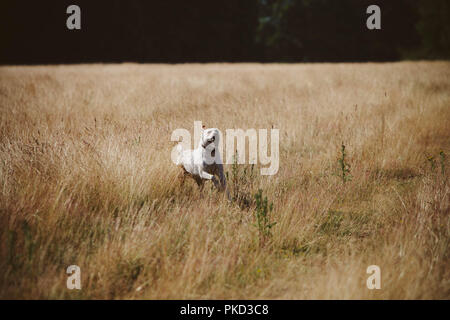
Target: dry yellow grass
86, 179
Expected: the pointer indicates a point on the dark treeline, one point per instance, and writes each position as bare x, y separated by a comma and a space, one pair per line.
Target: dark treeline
222, 30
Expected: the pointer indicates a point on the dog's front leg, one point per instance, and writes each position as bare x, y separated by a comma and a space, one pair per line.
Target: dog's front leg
223, 180
207, 176
199, 182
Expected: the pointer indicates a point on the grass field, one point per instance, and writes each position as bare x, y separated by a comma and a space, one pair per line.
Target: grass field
86, 179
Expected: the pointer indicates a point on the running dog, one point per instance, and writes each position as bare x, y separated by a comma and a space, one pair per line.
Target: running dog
203, 163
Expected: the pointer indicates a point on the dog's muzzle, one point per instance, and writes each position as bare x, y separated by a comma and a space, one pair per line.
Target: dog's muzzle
209, 141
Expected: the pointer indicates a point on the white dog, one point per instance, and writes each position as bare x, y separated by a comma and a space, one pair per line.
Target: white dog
203, 163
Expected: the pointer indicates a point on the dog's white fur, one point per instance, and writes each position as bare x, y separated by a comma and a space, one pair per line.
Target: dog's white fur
203, 163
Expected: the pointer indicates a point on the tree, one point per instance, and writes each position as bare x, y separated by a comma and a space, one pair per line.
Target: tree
434, 29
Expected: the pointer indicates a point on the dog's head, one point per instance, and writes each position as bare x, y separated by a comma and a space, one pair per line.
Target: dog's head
210, 138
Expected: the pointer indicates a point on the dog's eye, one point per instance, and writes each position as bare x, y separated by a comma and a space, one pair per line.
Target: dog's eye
213, 138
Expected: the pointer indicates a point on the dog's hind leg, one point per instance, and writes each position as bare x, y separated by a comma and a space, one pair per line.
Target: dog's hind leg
181, 178
182, 175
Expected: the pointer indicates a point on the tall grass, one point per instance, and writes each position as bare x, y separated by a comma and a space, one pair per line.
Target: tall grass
86, 179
